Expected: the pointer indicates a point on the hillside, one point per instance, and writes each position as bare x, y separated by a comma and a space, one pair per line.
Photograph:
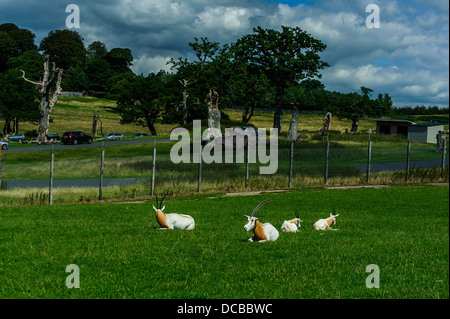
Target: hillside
75, 113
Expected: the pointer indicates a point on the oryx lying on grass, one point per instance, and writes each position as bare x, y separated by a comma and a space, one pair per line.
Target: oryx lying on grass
324, 224
262, 232
293, 225
172, 221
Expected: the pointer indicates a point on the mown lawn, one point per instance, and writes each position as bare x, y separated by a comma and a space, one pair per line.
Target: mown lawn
121, 254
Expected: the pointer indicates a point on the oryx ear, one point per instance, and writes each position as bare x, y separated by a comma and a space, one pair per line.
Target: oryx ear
247, 216
154, 207
336, 215
163, 207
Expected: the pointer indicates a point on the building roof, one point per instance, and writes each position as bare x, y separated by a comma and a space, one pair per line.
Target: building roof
394, 121
428, 124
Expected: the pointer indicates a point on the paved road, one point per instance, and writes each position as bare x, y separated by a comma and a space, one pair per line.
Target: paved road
398, 166
61, 146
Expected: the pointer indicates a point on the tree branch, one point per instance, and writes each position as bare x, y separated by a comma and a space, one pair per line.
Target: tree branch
32, 82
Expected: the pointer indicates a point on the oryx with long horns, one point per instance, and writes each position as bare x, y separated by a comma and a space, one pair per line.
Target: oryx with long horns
325, 224
293, 225
172, 221
262, 232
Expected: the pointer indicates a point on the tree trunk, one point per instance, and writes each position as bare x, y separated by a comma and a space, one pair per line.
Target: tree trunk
184, 83
212, 103
279, 100
354, 126
7, 127
95, 123
152, 129
247, 114
52, 79
292, 134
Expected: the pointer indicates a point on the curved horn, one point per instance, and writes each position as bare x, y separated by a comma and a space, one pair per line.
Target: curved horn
160, 204
264, 202
296, 213
156, 201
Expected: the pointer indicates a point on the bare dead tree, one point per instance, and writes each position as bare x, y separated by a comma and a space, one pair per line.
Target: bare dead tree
185, 84
51, 80
292, 134
212, 103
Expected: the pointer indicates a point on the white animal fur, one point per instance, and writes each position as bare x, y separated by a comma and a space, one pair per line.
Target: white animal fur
261, 232
291, 226
172, 221
324, 224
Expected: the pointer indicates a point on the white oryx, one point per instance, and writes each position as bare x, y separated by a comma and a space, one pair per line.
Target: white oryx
172, 221
262, 232
324, 224
293, 225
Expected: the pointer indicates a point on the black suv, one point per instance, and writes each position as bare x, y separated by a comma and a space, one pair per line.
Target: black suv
76, 137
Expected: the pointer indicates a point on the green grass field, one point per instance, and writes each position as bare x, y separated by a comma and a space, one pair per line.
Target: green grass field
121, 254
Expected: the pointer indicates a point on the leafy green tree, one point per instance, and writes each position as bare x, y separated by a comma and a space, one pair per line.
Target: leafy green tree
14, 42
75, 80
354, 106
287, 57
18, 101
66, 48
141, 101
96, 49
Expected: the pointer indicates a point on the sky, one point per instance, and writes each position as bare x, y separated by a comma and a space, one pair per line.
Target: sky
406, 56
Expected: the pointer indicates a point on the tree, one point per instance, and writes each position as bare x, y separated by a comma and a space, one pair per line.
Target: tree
287, 57
18, 101
50, 89
141, 101
65, 47
96, 49
354, 106
14, 42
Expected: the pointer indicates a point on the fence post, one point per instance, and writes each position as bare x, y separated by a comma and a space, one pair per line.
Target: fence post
200, 172
327, 158
153, 168
369, 159
444, 150
291, 159
408, 156
1, 163
246, 166
102, 167
50, 190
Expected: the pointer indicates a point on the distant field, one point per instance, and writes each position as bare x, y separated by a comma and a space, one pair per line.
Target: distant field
121, 254
76, 114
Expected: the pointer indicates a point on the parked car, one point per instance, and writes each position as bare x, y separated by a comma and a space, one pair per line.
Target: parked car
76, 137
51, 136
4, 145
113, 136
16, 137
140, 135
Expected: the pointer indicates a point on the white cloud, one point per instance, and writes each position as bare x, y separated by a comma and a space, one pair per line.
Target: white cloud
150, 64
412, 43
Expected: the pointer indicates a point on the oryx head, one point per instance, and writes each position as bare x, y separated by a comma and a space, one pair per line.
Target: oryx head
252, 219
334, 216
158, 207
297, 218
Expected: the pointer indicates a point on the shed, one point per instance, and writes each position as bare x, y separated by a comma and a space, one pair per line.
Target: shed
393, 126
425, 132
